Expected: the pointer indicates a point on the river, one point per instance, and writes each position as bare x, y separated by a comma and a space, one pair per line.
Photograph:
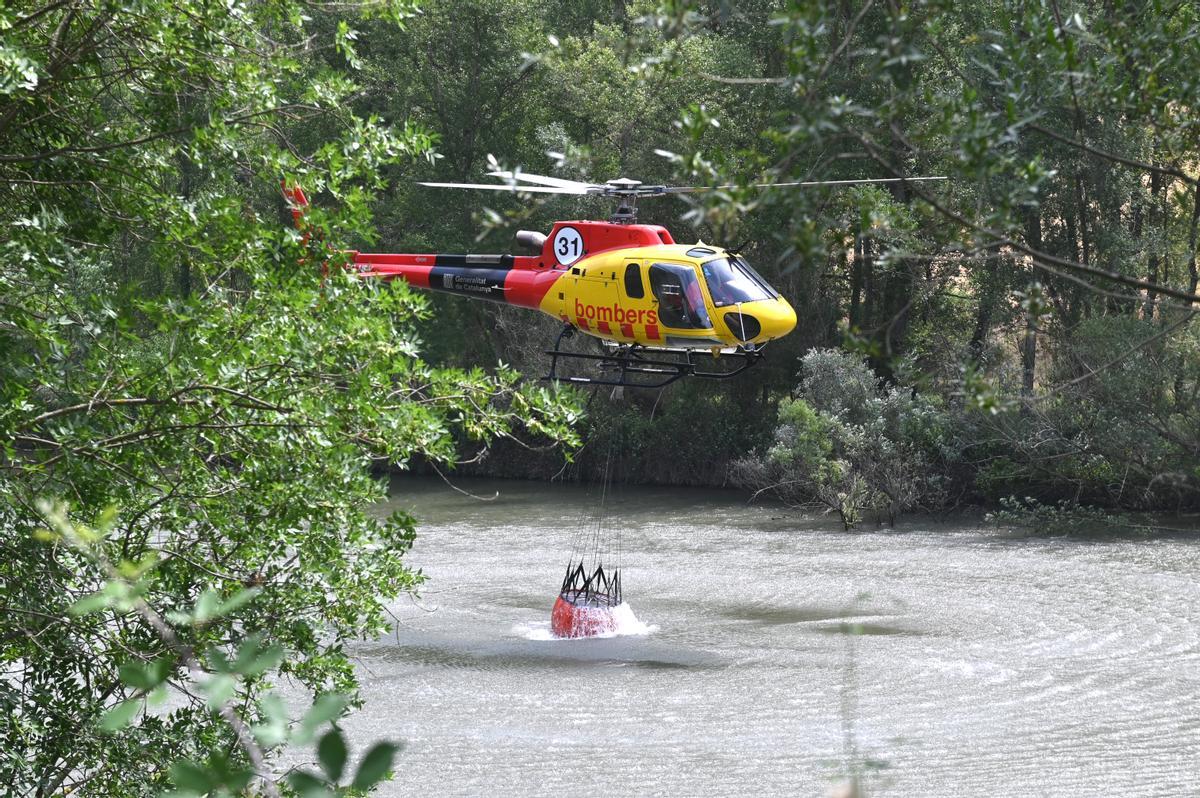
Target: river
983, 664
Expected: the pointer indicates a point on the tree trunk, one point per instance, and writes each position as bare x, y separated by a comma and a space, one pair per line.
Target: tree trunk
868, 277
1033, 238
1193, 275
856, 282
184, 104
988, 295
1028, 361
186, 169
1156, 223
983, 323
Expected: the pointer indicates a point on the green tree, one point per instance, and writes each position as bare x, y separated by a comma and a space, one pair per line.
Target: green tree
201, 408
848, 444
1073, 196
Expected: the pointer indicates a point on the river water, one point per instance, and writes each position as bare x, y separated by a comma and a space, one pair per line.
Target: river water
982, 664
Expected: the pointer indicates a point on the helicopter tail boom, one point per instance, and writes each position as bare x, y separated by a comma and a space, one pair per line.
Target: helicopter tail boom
509, 279
296, 200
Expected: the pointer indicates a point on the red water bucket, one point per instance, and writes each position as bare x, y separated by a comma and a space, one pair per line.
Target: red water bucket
573, 620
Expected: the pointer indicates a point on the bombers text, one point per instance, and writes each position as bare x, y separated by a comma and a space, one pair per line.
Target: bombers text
615, 314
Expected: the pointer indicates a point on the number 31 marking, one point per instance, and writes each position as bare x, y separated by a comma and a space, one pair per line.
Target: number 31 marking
568, 246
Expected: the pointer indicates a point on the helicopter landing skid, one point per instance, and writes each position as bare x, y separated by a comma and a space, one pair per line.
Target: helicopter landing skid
635, 369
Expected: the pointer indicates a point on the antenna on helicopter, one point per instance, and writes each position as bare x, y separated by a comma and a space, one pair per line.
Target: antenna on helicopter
627, 191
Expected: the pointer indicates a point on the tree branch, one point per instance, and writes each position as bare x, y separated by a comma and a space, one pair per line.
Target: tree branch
1165, 170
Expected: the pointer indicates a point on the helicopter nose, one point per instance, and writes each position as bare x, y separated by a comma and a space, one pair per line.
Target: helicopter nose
779, 319
758, 322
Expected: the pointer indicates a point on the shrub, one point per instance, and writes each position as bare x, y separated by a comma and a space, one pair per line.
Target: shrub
855, 446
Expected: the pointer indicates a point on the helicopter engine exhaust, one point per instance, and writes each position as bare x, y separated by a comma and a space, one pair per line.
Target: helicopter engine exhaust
531, 240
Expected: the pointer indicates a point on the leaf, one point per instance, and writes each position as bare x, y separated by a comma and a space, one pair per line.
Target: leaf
217, 659
324, 709
160, 669
90, 604
273, 730
236, 601
115, 594
254, 658
210, 607
187, 775
375, 765
134, 570
219, 689
268, 659
146, 676
274, 708
236, 779
331, 753
307, 785
206, 606
119, 716
106, 519
135, 674
246, 652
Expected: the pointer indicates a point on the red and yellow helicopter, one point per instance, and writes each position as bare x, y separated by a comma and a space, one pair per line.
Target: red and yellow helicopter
654, 304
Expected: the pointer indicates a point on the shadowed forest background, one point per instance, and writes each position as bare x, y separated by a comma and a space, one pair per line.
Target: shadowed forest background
193, 418
1009, 366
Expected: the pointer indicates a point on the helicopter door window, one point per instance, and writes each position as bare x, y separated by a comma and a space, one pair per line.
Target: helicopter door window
680, 298
634, 287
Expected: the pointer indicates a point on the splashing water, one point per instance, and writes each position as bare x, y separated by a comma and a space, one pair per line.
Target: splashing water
623, 622
627, 623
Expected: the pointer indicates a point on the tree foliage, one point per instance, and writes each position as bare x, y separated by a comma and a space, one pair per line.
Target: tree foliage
849, 444
1067, 133
191, 411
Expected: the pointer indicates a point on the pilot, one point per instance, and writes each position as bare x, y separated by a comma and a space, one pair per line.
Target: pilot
674, 307
696, 311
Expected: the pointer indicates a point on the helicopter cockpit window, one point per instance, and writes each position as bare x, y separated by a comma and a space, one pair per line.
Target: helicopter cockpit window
680, 298
731, 280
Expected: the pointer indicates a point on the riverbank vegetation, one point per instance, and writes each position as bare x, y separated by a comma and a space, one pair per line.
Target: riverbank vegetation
1039, 302
191, 413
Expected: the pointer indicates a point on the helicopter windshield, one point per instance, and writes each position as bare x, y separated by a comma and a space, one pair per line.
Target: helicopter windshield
731, 280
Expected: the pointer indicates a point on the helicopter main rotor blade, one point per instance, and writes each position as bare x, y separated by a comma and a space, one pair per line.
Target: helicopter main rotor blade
806, 183
544, 180
583, 189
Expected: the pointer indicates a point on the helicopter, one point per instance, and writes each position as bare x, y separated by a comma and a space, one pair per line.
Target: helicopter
656, 306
